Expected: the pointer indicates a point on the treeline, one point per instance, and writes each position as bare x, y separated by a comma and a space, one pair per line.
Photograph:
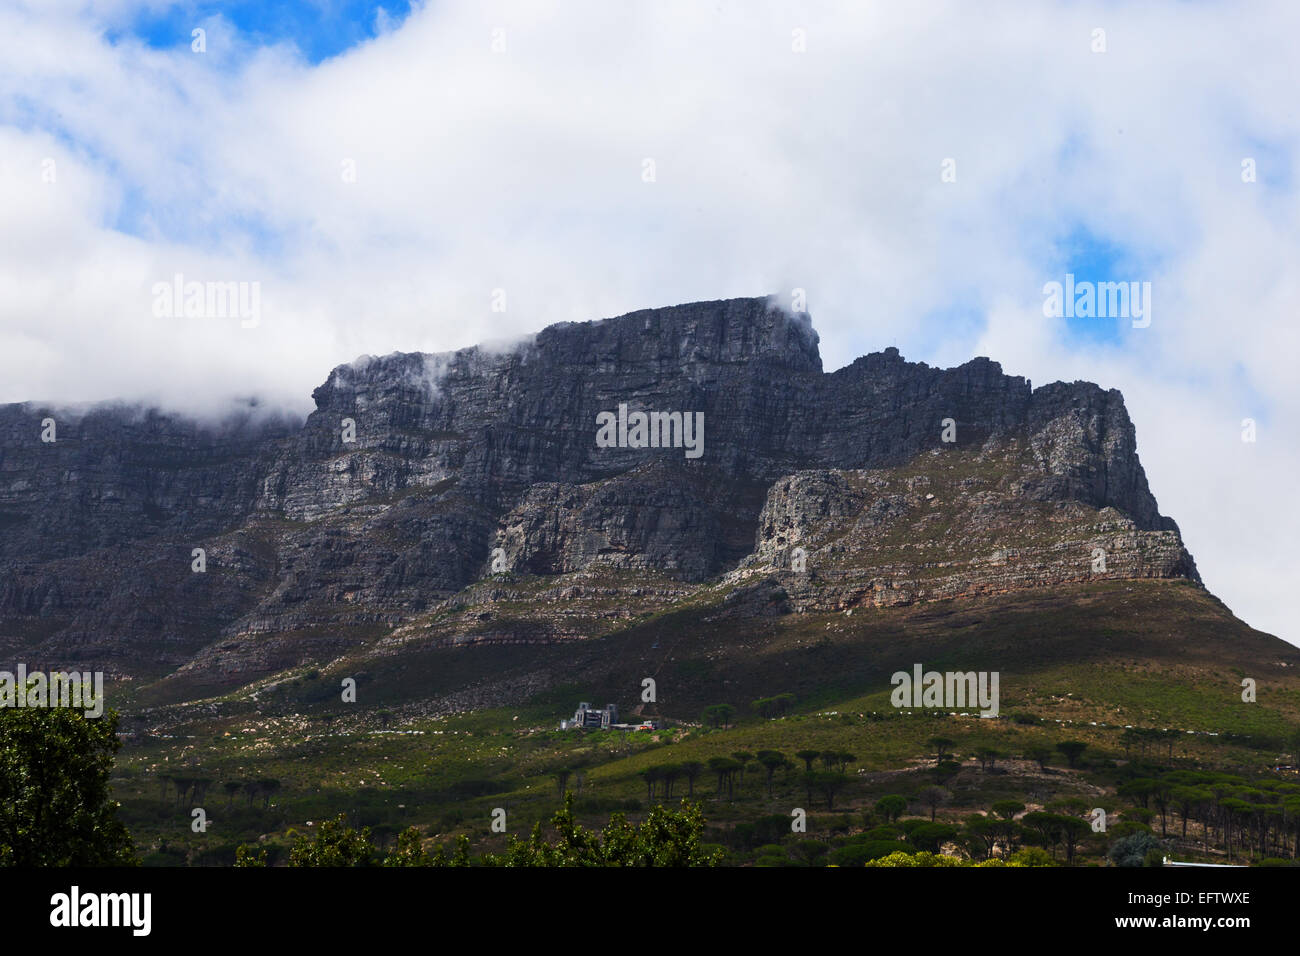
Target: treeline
666, 838
729, 772
1240, 816
722, 715
1055, 835
192, 790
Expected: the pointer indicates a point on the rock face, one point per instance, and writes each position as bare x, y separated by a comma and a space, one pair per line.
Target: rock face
420, 478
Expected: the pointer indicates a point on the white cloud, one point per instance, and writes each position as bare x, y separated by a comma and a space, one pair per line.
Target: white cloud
522, 171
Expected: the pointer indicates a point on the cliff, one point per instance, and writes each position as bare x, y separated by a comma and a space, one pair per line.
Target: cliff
382, 514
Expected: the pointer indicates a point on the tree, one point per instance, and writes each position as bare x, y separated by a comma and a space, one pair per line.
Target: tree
772, 761
692, 770
562, 780
719, 714
946, 770
651, 776
1187, 800
1139, 790
1170, 737
666, 838
670, 773
334, 844
1071, 806
928, 837
1072, 749
1160, 797
409, 850
1073, 832
269, 788
231, 787
249, 856
1128, 738
980, 836
860, 854
940, 747
933, 798
988, 758
891, 807
808, 756
725, 768
828, 782
56, 806
742, 757
1040, 754
1007, 809
1134, 850
811, 850
1046, 828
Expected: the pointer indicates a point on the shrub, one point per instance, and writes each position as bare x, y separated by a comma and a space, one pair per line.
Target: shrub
1134, 850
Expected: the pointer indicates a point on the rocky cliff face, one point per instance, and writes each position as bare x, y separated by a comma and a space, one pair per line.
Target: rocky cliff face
428, 492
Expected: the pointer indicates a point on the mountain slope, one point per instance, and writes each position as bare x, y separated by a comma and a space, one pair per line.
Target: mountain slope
464, 498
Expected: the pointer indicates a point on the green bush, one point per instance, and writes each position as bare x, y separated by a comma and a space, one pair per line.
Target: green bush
859, 854
1134, 850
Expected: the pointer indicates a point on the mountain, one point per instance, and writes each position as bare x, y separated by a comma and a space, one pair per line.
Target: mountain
470, 498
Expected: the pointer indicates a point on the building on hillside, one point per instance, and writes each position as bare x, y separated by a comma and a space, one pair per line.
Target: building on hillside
587, 717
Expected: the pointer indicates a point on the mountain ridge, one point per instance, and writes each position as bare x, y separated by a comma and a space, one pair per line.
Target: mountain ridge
316, 542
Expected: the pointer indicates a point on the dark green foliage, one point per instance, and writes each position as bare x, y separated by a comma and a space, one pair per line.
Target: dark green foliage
1073, 750
334, 844
883, 833
409, 850
929, 836
719, 715
1007, 809
856, 854
891, 807
249, 856
666, 838
768, 829
1133, 850
56, 808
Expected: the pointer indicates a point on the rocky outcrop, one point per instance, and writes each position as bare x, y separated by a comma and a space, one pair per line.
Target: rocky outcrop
419, 477
949, 524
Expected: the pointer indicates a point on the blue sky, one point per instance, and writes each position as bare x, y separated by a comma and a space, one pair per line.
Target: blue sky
319, 30
1092, 258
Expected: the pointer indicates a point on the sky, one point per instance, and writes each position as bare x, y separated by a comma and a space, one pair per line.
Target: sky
425, 176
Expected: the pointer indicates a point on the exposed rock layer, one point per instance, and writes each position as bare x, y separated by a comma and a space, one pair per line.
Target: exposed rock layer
313, 542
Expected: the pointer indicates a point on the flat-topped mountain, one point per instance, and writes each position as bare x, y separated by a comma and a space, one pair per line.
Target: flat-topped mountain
469, 497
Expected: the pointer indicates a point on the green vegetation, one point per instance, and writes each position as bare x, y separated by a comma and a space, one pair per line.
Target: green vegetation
1122, 696
55, 804
667, 838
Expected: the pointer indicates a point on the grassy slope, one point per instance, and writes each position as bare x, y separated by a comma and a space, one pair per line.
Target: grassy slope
1146, 653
